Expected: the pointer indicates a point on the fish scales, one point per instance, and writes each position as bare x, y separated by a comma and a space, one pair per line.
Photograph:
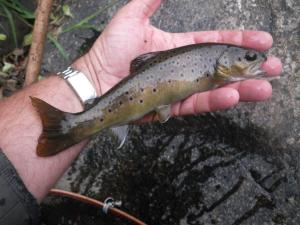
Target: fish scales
157, 80
162, 76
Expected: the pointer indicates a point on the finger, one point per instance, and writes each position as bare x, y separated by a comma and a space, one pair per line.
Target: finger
259, 40
253, 90
273, 66
141, 9
218, 99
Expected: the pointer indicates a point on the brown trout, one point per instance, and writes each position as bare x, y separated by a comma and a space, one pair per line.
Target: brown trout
156, 81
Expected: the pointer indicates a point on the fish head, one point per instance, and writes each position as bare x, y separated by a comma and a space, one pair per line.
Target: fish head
237, 64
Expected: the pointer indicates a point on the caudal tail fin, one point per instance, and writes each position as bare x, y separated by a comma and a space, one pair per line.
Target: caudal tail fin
53, 139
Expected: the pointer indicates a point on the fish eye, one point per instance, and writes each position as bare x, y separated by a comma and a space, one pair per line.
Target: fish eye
250, 56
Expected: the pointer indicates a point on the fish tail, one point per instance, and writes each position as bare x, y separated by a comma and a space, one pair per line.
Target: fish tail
52, 140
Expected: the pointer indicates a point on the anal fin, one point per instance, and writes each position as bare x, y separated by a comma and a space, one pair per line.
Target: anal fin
164, 113
121, 134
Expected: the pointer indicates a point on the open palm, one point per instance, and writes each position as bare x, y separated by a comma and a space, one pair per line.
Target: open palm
130, 34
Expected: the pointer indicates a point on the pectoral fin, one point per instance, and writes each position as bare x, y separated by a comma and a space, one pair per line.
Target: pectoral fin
164, 113
121, 134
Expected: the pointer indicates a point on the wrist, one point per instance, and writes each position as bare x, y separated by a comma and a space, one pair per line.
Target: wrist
85, 65
20, 127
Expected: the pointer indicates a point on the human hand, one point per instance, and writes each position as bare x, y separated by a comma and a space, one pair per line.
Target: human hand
130, 34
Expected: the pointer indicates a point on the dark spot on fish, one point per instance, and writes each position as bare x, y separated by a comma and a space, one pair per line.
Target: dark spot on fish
154, 89
2, 201
207, 74
101, 119
160, 68
173, 62
141, 101
188, 57
183, 66
205, 66
109, 110
195, 64
145, 41
172, 71
150, 64
120, 102
218, 187
192, 71
155, 61
169, 81
148, 78
177, 63
197, 80
131, 98
142, 89
209, 60
127, 93
239, 59
181, 75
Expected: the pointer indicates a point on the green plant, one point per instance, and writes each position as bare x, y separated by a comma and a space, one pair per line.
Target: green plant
14, 9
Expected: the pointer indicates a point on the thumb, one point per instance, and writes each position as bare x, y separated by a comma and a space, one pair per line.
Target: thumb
140, 9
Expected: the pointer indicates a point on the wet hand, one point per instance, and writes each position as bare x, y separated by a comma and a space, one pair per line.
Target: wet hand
131, 34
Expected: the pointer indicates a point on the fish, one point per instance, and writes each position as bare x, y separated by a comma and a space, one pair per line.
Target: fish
156, 81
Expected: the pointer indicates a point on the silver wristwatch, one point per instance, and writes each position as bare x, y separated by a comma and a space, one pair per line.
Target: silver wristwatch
80, 84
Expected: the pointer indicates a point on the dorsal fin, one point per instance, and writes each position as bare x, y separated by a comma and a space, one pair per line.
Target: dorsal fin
141, 60
91, 103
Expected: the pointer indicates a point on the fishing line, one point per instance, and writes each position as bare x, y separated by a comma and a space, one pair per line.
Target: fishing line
107, 206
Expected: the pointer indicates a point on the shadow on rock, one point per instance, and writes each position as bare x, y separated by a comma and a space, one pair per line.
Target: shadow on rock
188, 171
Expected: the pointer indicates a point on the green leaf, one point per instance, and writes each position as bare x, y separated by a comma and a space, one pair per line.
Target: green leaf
27, 39
7, 67
67, 11
40, 77
3, 37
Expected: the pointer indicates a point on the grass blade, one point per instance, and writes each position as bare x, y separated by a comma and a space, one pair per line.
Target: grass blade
84, 22
11, 23
19, 8
61, 50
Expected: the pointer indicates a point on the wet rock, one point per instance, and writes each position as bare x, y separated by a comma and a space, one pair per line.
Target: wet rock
239, 166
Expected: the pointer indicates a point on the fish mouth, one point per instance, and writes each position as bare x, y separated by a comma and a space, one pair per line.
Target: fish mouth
253, 71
